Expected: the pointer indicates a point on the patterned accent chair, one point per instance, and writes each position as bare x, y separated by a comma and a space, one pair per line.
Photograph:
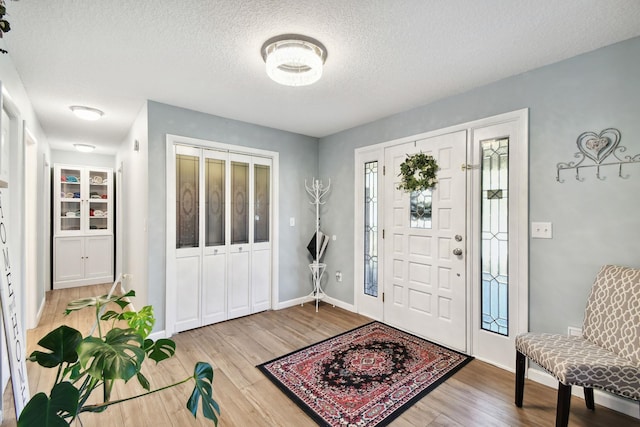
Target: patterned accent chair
606, 356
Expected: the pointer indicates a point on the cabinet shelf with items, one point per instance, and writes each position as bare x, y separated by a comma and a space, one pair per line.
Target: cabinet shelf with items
83, 225
83, 200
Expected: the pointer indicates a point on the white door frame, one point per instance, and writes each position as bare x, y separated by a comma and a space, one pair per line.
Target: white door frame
171, 288
519, 229
31, 241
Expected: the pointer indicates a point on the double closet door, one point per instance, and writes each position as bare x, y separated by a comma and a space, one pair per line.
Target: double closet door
223, 235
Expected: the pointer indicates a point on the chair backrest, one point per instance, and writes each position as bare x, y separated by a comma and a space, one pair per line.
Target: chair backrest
612, 316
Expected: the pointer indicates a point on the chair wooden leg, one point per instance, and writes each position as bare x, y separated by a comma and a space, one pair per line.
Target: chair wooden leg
564, 403
588, 398
520, 366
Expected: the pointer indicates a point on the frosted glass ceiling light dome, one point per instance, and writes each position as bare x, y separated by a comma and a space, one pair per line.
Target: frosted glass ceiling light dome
86, 113
294, 60
84, 148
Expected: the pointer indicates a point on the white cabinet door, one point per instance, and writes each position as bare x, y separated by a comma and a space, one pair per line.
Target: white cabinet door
98, 257
69, 260
68, 200
82, 200
82, 260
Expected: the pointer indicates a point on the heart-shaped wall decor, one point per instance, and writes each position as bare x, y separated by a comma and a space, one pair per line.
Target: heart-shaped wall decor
598, 147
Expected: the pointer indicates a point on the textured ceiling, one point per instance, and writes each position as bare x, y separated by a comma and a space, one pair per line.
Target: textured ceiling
384, 56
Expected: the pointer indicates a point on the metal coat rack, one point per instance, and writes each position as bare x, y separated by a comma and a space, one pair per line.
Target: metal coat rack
317, 191
594, 150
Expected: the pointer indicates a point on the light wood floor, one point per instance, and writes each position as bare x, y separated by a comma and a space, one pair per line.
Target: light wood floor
478, 395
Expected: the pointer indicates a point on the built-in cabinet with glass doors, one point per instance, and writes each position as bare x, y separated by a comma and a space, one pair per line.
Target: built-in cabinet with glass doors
83, 225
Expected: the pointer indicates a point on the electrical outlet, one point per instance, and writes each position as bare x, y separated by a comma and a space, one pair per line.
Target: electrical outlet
339, 276
574, 332
541, 230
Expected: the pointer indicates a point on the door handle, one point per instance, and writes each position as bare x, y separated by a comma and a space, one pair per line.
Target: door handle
457, 251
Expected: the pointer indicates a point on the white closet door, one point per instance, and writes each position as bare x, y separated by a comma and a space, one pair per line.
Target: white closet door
214, 273
239, 302
261, 236
188, 238
223, 252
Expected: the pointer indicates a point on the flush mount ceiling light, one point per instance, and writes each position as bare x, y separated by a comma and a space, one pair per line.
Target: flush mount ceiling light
294, 60
84, 148
86, 113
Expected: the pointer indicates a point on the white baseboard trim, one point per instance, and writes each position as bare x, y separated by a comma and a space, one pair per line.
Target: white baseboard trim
158, 335
40, 310
340, 304
309, 300
291, 303
627, 407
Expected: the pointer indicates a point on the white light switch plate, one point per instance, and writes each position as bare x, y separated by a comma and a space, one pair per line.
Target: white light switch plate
541, 230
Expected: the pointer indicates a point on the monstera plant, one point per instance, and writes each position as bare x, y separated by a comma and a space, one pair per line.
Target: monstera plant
96, 362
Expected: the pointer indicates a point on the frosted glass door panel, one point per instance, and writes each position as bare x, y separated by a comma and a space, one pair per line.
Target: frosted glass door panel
239, 203
215, 202
98, 197
187, 201
70, 199
262, 198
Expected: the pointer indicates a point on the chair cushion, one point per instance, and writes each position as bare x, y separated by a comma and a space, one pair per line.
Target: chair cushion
612, 316
576, 361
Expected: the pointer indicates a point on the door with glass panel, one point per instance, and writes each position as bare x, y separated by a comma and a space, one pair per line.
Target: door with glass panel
424, 244
214, 272
189, 245
250, 239
498, 313
223, 241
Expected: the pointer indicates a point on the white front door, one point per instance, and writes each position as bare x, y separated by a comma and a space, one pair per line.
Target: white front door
425, 243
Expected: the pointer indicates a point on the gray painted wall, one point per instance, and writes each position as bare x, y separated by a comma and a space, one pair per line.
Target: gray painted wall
83, 159
12, 83
594, 222
298, 160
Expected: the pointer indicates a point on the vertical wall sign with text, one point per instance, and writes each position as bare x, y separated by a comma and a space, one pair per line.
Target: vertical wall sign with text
11, 316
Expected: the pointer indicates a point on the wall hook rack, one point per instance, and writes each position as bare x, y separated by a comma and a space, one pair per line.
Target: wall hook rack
594, 149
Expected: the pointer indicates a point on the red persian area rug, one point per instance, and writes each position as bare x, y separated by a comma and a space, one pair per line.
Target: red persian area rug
364, 377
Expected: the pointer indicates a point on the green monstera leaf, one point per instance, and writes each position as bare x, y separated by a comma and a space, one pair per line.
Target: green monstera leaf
62, 342
42, 411
203, 375
118, 356
142, 321
159, 350
82, 303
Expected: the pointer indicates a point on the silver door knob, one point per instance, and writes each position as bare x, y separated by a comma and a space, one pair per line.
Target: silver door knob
457, 251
